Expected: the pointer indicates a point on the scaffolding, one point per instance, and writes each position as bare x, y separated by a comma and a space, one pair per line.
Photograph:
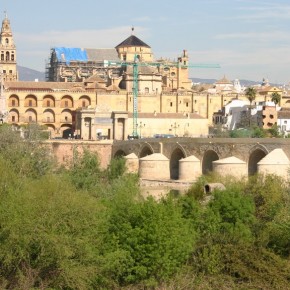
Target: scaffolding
59, 69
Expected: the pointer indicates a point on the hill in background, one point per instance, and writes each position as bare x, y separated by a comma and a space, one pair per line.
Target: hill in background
246, 83
27, 74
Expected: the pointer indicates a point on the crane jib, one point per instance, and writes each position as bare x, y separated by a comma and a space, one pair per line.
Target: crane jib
135, 64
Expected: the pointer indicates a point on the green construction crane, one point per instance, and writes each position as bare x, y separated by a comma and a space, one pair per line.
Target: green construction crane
135, 64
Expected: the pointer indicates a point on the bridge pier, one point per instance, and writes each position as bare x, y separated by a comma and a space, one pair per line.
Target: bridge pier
211, 155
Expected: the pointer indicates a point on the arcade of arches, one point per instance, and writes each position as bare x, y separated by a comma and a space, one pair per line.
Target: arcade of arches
56, 111
184, 162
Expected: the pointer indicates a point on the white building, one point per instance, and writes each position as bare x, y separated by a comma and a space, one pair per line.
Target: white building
283, 121
233, 112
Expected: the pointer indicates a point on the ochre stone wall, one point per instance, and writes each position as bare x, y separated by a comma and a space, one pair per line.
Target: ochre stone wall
55, 109
65, 151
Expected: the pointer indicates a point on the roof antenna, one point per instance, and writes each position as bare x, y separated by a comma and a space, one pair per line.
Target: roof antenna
132, 30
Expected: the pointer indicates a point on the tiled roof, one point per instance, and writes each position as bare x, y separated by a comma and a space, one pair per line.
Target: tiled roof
269, 89
143, 69
283, 114
102, 54
224, 80
132, 41
25, 85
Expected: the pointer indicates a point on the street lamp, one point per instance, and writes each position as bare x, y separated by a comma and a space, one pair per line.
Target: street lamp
140, 126
185, 132
175, 126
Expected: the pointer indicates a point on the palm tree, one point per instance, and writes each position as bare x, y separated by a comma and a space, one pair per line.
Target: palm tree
275, 97
250, 93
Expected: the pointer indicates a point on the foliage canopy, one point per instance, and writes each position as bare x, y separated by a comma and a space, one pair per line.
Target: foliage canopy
87, 228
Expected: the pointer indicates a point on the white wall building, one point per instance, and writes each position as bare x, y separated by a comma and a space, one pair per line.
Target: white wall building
233, 112
283, 121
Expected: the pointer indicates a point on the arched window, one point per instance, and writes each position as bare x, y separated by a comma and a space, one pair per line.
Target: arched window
7, 55
7, 40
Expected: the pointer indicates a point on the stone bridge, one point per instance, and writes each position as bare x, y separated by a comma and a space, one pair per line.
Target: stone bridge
236, 155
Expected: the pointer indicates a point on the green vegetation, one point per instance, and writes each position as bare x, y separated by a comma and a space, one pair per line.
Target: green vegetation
256, 132
87, 228
276, 98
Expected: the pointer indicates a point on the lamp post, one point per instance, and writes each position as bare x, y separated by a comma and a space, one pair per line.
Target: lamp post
185, 133
175, 126
140, 126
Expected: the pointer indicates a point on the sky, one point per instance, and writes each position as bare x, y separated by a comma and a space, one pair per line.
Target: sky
249, 39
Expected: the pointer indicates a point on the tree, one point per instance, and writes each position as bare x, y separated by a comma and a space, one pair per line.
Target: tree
275, 97
145, 242
85, 172
28, 156
250, 93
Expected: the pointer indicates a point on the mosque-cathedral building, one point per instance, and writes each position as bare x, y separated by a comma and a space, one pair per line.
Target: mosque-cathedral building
88, 92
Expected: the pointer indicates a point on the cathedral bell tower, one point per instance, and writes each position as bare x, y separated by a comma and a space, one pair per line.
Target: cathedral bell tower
8, 66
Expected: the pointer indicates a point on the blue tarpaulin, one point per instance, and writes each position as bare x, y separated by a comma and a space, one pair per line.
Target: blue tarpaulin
67, 55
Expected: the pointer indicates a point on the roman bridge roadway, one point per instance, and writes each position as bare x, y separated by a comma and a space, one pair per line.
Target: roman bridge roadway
207, 150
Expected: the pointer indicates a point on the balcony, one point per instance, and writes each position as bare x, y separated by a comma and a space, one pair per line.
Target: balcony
29, 120
30, 105
48, 120
66, 120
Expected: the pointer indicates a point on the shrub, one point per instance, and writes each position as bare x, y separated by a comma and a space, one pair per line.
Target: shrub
85, 173
148, 241
116, 168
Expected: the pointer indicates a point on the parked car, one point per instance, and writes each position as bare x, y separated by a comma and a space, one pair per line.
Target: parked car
163, 136
132, 137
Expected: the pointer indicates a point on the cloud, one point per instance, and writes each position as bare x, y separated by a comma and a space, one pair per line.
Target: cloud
267, 56
34, 48
142, 19
101, 38
265, 11
270, 36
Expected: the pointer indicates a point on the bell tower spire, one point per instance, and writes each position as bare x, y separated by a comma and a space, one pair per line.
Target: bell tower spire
8, 66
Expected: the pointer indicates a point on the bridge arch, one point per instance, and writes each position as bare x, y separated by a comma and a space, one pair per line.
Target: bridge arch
256, 154
207, 160
177, 154
119, 153
146, 150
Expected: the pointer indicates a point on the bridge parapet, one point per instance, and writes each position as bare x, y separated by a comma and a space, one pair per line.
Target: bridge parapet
224, 147
207, 150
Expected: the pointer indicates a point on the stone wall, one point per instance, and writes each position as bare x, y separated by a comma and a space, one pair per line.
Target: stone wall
64, 151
